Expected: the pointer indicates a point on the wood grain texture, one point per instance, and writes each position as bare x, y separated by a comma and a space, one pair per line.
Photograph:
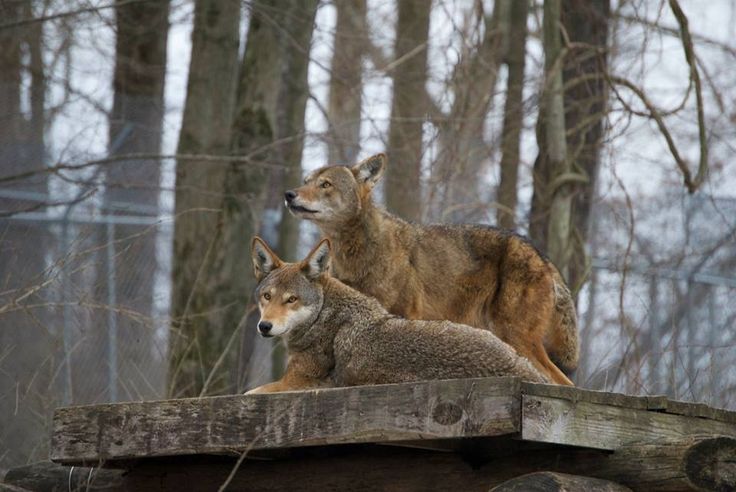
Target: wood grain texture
656, 403
605, 398
608, 427
558, 482
231, 424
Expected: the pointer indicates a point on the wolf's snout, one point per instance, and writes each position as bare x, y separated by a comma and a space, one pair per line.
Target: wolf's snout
289, 196
264, 327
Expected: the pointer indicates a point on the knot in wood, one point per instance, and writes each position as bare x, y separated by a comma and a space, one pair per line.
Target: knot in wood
447, 413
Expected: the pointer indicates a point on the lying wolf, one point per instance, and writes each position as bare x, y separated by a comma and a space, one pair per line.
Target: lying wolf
474, 275
337, 336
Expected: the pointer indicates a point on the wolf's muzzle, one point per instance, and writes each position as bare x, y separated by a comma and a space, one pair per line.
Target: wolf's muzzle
264, 327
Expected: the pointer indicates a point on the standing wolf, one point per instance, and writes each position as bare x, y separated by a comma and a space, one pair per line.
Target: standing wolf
475, 275
337, 336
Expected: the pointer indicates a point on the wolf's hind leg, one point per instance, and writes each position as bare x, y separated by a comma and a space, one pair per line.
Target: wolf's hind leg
545, 364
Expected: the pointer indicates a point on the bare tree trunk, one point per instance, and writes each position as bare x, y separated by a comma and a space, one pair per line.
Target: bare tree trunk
463, 150
270, 102
513, 117
268, 32
290, 109
11, 119
539, 213
408, 110
554, 144
586, 23
199, 299
29, 354
209, 364
37, 128
346, 81
132, 189
587, 334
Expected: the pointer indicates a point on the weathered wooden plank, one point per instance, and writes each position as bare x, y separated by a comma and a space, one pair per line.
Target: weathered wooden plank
571, 393
230, 424
700, 410
558, 482
657, 402
598, 426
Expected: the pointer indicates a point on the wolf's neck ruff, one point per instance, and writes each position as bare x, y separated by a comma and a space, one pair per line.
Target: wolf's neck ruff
341, 306
354, 242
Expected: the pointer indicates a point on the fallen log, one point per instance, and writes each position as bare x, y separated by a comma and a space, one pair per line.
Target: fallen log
45, 476
711, 464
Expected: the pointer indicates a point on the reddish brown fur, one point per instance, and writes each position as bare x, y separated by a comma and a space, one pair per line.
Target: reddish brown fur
475, 275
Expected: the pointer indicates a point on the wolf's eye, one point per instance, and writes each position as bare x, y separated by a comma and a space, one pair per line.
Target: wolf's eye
291, 300
326, 184
267, 296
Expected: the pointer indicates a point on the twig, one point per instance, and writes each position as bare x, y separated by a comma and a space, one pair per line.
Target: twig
70, 13
687, 44
690, 184
64, 166
675, 32
44, 204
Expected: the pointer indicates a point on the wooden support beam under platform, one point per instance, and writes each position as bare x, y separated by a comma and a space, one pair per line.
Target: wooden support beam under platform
483, 464
702, 465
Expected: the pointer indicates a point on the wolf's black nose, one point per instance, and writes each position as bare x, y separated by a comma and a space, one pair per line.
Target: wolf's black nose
265, 326
290, 195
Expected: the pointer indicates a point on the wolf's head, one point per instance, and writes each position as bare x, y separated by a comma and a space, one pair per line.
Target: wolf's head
289, 295
333, 195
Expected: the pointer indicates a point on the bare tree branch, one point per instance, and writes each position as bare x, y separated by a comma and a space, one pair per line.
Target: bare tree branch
70, 13
687, 44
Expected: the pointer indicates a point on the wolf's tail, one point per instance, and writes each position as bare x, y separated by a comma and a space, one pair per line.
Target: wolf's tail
562, 342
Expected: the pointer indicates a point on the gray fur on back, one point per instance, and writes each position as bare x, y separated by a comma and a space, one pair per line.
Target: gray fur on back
370, 346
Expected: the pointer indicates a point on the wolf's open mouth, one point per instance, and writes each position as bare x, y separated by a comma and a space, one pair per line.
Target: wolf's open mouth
299, 208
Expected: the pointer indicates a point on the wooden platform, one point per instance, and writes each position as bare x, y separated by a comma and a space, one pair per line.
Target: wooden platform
472, 434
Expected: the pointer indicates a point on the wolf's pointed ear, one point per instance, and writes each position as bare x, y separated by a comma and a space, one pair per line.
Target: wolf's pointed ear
370, 170
264, 260
318, 260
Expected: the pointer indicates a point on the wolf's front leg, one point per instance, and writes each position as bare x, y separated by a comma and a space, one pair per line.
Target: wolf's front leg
274, 387
288, 385
302, 373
